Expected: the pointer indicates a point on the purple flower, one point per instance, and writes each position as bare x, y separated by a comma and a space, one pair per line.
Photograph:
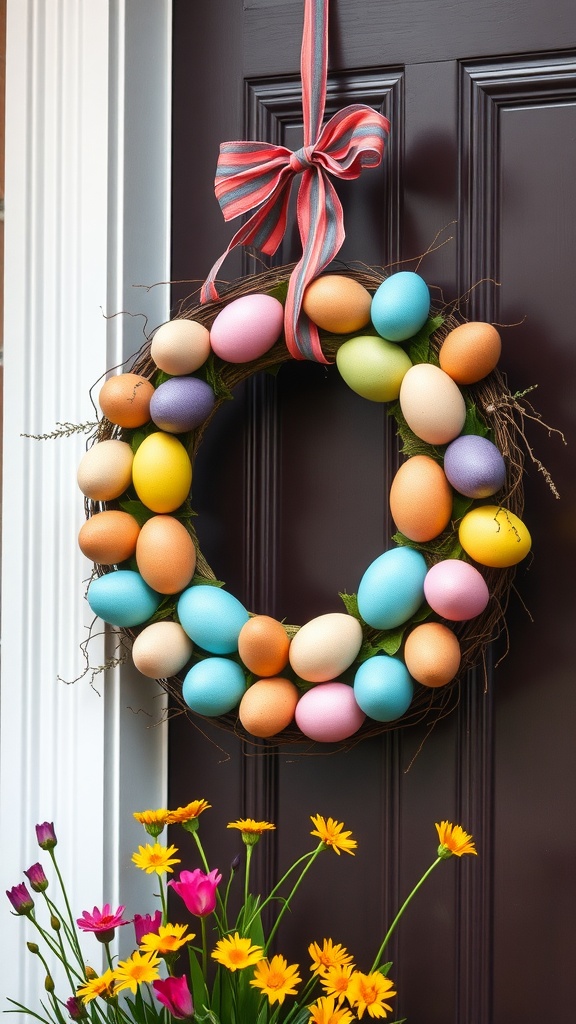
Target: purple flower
146, 924
174, 994
102, 922
20, 898
198, 890
46, 835
37, 878
76, 1008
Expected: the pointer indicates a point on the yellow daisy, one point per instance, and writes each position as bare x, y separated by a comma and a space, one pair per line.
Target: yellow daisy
276, 979
368, 992
324, 1011
336, 980
139, 968
97, 986
331, 834
235, 953
329, 954
453, 840
251, 830
169, 938
155, 858
153, 821
187, 813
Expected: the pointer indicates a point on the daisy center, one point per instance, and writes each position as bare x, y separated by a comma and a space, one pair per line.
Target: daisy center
275, 980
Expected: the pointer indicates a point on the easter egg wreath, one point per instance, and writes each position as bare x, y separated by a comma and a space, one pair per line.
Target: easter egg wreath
425, 610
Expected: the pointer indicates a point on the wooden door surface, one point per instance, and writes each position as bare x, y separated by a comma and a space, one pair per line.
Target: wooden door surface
292, 484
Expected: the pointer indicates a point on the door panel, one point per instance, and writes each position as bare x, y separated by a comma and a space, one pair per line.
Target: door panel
292, 481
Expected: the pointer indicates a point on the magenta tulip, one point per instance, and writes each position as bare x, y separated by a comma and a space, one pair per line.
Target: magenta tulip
146, 924
174, 994
46, 835
20, 899
198, 890
37, 878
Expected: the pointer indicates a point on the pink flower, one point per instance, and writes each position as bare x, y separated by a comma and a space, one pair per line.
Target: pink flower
20, 898
76, 1008
174, 994
102, 922
146, 924
46, 835
37, 878
198, 890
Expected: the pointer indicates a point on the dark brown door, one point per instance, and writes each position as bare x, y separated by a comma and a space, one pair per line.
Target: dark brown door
292, 484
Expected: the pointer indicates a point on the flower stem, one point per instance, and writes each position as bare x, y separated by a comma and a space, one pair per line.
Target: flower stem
311, 858
163, 901
204, 860
400, 912
204, 948
249, 849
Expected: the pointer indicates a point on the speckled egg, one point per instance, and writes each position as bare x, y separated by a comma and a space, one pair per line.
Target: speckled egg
400, 306
105, 471
122, 598
456, 590
214, 686
328, 713
165, 554
493, 536
181, 404
337, 304
432, 654
125, 399
109, 537
212, 618
470, 352
325, 646
180, 346
162, 472
263, 645
474, 466
372, 367
383, 688
392, 588
432, 404
247, 328
268, 706
161, 650
421, 499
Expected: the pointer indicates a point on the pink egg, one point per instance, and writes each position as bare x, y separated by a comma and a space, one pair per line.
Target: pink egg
329, 713
456, 590
247, 328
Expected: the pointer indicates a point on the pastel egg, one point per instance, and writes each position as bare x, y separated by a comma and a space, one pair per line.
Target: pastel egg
421, 499
214, 686
212, 618
109, 537
432, 654
432, 404
383, 688
470, 352
372, 367
325, 646
122, 598
268, 706
337, 303
247, 328
263, 645
328, 713
165, 554
474, 466
456, 590
162, 472
161, 650
180, 346
392, 588
400, 306
105, 471
493, 536
181, 404
125, 399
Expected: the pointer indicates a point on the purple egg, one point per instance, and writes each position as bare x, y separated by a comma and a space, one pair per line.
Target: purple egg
181, 404
474, 466
456, 590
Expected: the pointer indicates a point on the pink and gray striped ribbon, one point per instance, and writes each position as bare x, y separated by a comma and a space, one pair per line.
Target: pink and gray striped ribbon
258, 176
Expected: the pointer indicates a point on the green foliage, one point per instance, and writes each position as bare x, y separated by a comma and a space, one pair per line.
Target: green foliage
420, 348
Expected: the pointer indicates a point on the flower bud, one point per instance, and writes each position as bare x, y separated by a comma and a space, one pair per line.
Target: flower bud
90, 973
236, 863
20, 899
48, 983
37, 878
46, 835
55, 923
33, 947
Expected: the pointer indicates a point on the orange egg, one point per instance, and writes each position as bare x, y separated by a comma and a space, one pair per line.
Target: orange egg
125, 399
337, 304
470, 352
421, 499
109, 537
263, 645
432, 654
165, 554
268, 706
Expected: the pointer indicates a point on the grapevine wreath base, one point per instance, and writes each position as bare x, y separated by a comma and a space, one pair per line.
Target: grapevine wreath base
491, 411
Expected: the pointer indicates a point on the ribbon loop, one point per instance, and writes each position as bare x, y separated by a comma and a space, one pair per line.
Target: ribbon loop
301, 159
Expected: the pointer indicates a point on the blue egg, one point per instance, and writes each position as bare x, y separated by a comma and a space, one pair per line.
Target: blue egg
122, 598
214, 686
474, 466
401, 305
383, 688
181, 404
392, 588
212, 618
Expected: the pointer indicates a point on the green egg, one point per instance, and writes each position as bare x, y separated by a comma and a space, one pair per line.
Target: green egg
373, 367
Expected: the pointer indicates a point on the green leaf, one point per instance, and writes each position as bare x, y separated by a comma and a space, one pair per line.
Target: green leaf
280, 291
419, 348
385, 968
474, 424
205, 581
351, 604
136, 509
200, 994
214, 378
460, 505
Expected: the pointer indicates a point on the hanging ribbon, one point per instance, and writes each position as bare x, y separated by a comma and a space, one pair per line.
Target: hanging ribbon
258, 176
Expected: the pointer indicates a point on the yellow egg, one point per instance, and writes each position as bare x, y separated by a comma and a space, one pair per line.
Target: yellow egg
161, 650
125, 399
180, 346
470, 352
268, 706
162, 472
263, 645
494, 536
337, 304
105, 471
432, 654
109, 537
165, 555
421, 499
432, 404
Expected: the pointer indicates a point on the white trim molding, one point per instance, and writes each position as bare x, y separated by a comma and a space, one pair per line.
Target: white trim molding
88, 122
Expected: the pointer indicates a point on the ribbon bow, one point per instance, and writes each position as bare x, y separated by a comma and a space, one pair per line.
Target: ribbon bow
258, 176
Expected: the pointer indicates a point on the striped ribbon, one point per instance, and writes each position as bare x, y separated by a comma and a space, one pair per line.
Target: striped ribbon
258, 176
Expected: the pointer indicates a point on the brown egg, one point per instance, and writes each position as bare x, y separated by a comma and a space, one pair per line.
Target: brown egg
105, 471
109, 537
268, 706
263, 645
470, 352
421, 499
165, 554
432, 654
125, 399
337, 304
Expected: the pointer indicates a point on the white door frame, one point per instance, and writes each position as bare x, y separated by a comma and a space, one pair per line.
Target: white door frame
87, 219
